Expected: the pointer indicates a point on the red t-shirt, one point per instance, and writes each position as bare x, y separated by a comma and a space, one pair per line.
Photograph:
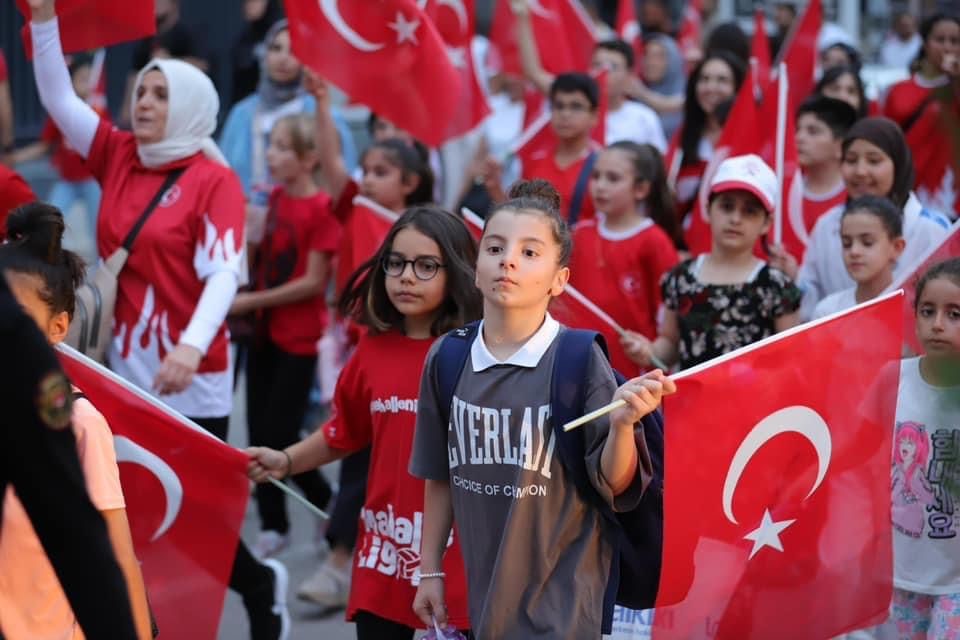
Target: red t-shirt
195, 231
14, 191
68, 162
543, 164
934, 140
620, 272
296, 227
687, 179
813, 208
375, 403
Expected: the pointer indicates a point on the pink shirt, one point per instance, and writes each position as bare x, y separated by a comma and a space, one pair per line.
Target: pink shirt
32, 602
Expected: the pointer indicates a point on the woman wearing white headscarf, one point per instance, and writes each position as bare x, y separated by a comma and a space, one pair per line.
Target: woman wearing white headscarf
187, 261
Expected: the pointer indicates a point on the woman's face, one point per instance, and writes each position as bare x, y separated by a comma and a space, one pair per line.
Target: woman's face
844, 88
907, 450
655, 61
715, 84
151, 108
867, 170
943, 41
282, 67
834, 57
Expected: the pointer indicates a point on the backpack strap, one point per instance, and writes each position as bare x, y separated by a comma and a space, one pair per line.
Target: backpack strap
567, 400
451, 358
168, 182
580, 191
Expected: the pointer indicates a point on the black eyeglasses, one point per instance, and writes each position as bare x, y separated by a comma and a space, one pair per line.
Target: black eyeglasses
423, 268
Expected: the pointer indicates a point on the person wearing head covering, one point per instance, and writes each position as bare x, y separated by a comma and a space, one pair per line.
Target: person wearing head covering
663, 81
249, 48
927, 108
246, 133
186, 261
877, 162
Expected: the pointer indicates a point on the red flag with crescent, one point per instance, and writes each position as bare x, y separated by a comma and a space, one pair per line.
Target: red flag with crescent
554, 22
91, 24
386, 55
454, 20
628, 29
186, 494
364, 230
691, 29
777, 484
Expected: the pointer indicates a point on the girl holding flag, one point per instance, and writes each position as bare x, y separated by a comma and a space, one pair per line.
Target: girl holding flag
418, 286
619, 257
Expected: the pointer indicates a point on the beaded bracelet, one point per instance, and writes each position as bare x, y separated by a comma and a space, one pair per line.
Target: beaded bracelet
435, 574
289, 463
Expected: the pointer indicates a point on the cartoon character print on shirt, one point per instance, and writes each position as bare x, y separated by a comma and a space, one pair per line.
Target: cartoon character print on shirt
926, 481
282, 260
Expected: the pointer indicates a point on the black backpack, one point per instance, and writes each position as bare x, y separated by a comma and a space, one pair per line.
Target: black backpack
637, 537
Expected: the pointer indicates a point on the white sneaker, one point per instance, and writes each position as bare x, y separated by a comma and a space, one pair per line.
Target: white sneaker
328, 587
270, 543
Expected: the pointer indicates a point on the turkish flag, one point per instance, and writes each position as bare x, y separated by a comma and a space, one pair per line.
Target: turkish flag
186, 494
760, 47
691, 27
948, 248
628, 29
777, 484
363, 232
562, 30
474, 223
90, 24
938, 164
386, 55
800, 54
454, 20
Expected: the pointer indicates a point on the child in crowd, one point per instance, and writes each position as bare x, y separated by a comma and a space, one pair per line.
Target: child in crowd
926, 547
871, 233
292, 268
395, 176
418, 286
822, 124
537, 563
877, 162
844, 83
43, 278
726, 299
619, 258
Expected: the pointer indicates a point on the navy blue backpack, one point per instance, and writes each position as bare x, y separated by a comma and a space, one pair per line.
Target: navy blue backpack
637, 534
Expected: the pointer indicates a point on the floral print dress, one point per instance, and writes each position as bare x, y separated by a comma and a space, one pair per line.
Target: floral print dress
715, 319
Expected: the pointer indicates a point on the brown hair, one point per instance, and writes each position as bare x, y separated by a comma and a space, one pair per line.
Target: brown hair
541, 197
302, 133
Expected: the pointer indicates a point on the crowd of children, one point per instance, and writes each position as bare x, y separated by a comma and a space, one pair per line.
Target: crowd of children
454, 506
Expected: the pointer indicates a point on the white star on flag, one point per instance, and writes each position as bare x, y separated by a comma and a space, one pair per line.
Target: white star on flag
406, 30
767, 534
458, 56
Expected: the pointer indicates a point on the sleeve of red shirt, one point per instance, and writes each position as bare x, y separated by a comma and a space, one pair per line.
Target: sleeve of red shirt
50, 133
350, 427
325, 233
14, 191
105, 142
344, 204
224, 207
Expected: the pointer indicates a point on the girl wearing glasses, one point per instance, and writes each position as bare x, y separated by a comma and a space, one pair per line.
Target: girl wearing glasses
418, 286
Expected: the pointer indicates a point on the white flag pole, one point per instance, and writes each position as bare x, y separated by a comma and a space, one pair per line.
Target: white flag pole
782, 93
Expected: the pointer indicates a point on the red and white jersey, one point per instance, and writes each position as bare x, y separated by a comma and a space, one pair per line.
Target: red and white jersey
375, 404
195, 231
934, 139
620, 272
813, 206
543, 164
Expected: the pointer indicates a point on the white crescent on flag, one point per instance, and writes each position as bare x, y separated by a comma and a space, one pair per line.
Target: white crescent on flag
332, 13
458, 8
130, 451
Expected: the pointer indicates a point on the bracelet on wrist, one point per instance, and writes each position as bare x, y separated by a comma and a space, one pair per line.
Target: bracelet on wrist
289, 464
433, 574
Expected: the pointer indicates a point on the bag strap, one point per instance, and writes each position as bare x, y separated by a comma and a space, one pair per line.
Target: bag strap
580, 191
451, 358
167, 183
912, 120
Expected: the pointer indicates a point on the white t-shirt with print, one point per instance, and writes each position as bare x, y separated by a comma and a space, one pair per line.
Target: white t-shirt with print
635, 122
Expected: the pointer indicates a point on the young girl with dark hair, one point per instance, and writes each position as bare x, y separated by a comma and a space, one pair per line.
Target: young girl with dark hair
537, 552
927, 108
844, 83
43, 277
620, 256
417, 287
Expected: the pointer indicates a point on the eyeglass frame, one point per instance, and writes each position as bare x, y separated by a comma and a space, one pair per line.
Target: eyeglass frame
413, 266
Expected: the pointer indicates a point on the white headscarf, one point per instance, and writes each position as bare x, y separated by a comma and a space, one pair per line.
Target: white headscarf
192, 107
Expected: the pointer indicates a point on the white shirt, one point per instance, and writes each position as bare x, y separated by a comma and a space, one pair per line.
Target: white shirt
503, 126
926, 528
895, 52
835, 302
635, 122
823, 271
528, 355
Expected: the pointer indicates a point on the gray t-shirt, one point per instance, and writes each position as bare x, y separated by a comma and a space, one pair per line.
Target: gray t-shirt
537, 555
